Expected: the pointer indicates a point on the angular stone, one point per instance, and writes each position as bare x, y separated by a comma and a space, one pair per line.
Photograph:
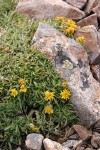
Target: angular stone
91, 44
70, 60
78, 144
48, 9
95, 141
69, 143
97, 10
77, 3
52, 145
82, 132
90, 20
90, 5
95, 69
74, 137
34, 141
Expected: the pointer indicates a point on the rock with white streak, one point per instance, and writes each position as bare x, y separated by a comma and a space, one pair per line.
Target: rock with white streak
48, 9
91, 44
90, 20
71, 62
77, 3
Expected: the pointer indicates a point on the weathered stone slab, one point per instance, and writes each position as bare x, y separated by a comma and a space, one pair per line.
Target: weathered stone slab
70, 60
90, 5
90, 20
97, 10
48, 9
77, 3
91, 45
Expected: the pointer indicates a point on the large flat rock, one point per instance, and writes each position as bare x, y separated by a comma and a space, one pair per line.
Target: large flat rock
70, 60
48, 9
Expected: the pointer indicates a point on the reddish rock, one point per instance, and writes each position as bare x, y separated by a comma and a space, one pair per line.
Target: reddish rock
71, 62
77, 3
90, 5
96, 72
91, 45
82, 132
97, 10
48, 9
90, 20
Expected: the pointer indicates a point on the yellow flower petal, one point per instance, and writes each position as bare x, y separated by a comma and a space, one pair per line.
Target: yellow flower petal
14, 92
48, 110
65, 94
49, 95
23, 89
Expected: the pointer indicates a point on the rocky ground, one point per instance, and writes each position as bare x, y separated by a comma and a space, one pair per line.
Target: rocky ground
79, 65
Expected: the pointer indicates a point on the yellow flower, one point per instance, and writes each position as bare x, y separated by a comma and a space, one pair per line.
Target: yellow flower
74, 26
23, 89
80, 39
48, 110
21, 81
70, 22
69, 30
14, 92
65, 83
33, 128
49, 95
65, 94
60, 19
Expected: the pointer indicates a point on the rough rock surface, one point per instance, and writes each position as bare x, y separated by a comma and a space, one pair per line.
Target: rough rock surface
52, 145
70, 60
77, 3
90, 5
48, 8
95, 69
82, 132
69, 143
34, 141
90, 20
98, 38
91, 44
97, 10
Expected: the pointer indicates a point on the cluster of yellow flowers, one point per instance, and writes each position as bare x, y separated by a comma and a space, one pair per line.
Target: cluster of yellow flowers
69, 26
14, 91
80, 39
65, 94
